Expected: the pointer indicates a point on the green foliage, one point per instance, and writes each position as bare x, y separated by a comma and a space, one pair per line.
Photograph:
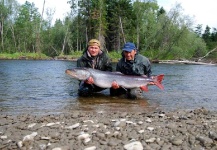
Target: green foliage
35, 56
188, 47
146, 24
213, 56
210, 38
121, 25
26, 28
114, 55
198, 30
157, 34
77, 54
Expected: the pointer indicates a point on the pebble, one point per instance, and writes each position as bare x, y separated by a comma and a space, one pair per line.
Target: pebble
181, 129
134, 146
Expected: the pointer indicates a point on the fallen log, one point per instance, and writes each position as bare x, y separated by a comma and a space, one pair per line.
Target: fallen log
184, 62
207, 54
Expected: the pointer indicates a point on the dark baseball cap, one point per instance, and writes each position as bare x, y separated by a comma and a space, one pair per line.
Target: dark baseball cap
129, 47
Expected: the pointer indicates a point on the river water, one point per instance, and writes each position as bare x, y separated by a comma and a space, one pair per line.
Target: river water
42, 87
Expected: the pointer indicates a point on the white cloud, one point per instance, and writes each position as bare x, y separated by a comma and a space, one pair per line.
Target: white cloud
204, 12
60, 6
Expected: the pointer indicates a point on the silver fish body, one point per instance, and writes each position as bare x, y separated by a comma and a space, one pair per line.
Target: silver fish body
105, 79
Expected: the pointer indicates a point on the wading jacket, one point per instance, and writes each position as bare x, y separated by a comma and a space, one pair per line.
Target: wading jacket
139, 66
99, 62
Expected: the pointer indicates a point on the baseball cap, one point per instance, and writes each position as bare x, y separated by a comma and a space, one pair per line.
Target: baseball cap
129, 47
94, 42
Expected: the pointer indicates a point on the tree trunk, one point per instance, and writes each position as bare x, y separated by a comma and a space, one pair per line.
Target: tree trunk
86, 36
64, 42
2, 33
122, 30
12, 31
38, 49
207, 54
138, 36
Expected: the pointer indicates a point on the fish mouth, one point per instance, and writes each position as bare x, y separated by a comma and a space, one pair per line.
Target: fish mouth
70, 72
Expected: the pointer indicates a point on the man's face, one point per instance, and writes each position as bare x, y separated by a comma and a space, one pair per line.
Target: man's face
130, 55
93, 50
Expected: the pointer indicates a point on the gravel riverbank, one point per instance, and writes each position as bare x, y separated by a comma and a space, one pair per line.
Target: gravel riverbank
183, 129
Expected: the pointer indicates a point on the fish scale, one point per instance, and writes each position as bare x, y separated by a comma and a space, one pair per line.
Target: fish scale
104, 79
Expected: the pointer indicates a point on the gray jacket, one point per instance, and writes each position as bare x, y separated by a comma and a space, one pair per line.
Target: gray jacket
100, 62
139, 66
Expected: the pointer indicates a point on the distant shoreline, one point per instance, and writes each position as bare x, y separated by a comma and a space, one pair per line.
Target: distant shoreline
185, 62
190, 62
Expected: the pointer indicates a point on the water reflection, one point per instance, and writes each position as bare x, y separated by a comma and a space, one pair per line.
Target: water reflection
102, 102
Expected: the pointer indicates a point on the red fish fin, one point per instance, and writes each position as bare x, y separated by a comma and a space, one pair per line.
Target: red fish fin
144, 88
158, 81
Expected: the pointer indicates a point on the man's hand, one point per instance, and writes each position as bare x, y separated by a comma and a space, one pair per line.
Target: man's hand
152, 83
89, 80
115, 85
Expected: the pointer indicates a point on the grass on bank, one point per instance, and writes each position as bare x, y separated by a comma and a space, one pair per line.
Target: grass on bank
26, 56
114, 55
36, 56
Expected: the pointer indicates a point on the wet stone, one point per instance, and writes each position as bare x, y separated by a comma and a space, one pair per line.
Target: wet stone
176, 141
171, 130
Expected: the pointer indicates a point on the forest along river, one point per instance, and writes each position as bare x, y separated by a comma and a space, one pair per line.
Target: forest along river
42, 87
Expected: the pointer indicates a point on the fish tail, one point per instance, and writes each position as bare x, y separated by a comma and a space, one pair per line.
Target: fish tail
158, 81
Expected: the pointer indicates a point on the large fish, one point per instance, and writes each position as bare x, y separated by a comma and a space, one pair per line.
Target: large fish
104, 79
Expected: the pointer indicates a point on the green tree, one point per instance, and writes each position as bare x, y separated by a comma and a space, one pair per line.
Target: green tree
77, 34
146, 23
209, 38
8, 13
121, 25
57, 36
5, 11
174, 38
77, 29
207, 34
199, 30
214, 35
26, 27
213, 39
159, 34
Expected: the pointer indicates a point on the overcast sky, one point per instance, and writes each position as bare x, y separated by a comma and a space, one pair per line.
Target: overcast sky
203, 11
60, 6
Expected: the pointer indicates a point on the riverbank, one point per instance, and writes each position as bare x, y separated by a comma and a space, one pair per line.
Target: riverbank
189, 62
35, 56
181, 129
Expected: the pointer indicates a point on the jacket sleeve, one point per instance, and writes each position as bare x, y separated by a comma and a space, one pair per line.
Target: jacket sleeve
118, 67
80, 63
147, 69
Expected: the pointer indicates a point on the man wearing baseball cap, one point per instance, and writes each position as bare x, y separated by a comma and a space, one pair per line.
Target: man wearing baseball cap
131, 63
93, 57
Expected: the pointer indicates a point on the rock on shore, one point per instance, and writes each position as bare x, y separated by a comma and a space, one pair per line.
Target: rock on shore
183, 129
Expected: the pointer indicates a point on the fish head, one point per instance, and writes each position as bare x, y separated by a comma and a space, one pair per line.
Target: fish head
78, 73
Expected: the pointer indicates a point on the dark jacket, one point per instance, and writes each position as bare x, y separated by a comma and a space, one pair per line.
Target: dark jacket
139, 66
100, 62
